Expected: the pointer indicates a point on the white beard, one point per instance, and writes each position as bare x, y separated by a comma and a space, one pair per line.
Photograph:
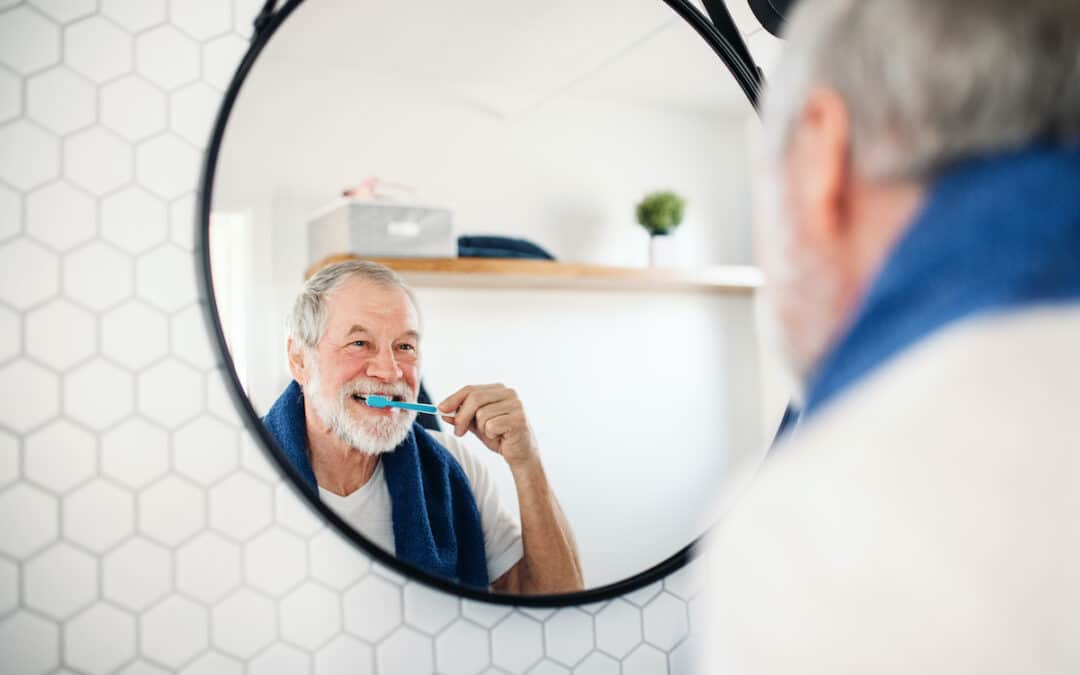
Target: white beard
373, 436
800, 292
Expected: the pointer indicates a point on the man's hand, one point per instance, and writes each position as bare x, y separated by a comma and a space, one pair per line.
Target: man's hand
495, 414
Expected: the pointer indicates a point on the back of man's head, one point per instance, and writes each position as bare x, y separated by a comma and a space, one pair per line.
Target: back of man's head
930, 82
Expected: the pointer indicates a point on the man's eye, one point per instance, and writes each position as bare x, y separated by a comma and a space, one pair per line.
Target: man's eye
360, 343
407, 347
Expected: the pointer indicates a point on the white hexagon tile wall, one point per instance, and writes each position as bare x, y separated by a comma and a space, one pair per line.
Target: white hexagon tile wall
141, 531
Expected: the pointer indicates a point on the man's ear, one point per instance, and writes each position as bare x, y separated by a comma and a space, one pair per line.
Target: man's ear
297, 363
820, 162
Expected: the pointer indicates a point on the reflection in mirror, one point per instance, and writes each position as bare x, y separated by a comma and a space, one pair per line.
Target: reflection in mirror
592, 407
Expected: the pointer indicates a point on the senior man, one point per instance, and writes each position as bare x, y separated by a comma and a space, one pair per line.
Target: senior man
355, 331
919, 227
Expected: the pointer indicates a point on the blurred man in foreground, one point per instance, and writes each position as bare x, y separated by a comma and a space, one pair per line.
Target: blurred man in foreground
919, 225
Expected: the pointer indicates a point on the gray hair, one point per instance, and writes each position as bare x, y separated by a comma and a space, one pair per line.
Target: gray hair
307, 321
931, 82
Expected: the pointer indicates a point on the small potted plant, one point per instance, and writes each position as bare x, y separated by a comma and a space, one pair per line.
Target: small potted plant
660, 213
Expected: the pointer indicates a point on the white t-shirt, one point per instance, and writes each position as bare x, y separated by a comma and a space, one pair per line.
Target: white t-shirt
367, 510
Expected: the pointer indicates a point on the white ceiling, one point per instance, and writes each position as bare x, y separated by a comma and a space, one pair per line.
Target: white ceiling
513, 55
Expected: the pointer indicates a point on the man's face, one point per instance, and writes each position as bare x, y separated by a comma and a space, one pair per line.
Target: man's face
802, 283
371, 345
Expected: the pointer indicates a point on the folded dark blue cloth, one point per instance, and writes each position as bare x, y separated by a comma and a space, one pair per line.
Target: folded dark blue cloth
435, 519
490, 246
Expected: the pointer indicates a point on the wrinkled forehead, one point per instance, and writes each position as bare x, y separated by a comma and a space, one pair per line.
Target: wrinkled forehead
383, 309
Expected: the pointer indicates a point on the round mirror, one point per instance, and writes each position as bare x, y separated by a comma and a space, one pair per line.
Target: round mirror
534, 216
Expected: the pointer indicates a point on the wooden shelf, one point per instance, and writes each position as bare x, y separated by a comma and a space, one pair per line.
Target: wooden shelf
545, 274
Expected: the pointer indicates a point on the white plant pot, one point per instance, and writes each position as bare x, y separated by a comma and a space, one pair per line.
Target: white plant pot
663, 251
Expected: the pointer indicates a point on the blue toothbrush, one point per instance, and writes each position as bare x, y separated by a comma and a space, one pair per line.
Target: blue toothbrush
375, 401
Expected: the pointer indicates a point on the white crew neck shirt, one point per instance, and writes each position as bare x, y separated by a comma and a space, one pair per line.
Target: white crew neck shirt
368, 509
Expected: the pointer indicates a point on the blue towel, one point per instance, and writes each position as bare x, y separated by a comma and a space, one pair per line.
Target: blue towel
435, 519
996, 233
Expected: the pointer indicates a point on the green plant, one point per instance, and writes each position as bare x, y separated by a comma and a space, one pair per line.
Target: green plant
660, 212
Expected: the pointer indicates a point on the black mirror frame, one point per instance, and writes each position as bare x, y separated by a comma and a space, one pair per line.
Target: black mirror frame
724, 40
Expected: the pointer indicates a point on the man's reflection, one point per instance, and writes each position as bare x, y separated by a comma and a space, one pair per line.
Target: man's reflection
355, 331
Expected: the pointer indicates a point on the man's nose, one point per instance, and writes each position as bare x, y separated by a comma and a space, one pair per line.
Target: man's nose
384, 366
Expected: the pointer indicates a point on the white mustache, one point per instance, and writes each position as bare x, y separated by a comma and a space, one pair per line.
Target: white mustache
368, 387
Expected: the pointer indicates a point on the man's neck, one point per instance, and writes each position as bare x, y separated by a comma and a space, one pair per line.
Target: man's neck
338, 467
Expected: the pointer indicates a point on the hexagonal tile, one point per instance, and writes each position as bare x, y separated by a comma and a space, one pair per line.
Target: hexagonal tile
10, 96
547, 667
569, 636
221, 56
164, 277
173, 631
244, 16
135, 15
171, 511
166, 57
208, 567
97, 49
643, 596
60, 215
293, 512
10, 334
201, 19
280, 658
244, 623
213, 663
182, 222
134, 335
192, 112
9, 586
10, 212
28, 519
484, 613
191, 339
170, 393
462, 649
141, 668
97, 276
618, 628
100, 639
274, 561
406, 652
645, 660
372, 608
602, 664
666, 622
240, 506
133, 108
60, 456
60, 334
60, 100
9, 458
30, 645
167, 166
517, 643
98, 160
28, 41
83, 399
137, 574
29, 156
310, 616
685, 658
28, 274
60, 581
135, 453
134, 220
99, 515
205, 450
428, 610
345, 655
252, 455
30, 395
336, 562
65, 10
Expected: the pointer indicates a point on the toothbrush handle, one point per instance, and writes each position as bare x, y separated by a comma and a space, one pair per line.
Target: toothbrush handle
418, 407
